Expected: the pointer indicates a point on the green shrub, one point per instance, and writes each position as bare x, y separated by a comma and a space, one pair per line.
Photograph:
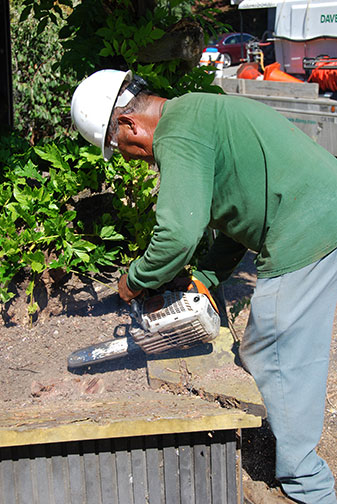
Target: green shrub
39, 196
41, 92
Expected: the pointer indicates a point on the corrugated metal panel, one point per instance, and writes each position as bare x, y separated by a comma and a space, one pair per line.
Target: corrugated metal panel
165, 469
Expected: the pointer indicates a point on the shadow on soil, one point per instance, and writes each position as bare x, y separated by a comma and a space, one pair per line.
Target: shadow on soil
242, 281
258, 454
137, 359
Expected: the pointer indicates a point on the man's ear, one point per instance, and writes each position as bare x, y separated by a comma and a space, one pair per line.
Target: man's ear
128, 121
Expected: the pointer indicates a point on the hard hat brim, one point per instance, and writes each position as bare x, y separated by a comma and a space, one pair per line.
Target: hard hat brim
107, 152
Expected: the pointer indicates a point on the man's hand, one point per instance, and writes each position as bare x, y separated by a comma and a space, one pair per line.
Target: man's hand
124, 292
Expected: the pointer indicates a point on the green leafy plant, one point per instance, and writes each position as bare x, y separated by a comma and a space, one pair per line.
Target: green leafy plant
41, 92
135, 193
38, 216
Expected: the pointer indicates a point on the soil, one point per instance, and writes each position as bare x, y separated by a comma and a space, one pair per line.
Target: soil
76, 312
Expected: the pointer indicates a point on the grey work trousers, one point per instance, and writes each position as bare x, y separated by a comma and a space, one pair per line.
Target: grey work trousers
286, 348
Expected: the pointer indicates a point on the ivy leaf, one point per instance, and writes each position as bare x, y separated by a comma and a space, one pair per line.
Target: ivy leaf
104, 32
32, 308
81, 254
53, 155
36, 260
69, 215
116, 45
30, 288
104, 52
20, 196
148, 29
29, 171
84, 245
109, 258
109, 233
81, 248
5, 296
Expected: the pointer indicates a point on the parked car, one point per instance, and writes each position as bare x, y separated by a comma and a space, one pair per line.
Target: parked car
227, 49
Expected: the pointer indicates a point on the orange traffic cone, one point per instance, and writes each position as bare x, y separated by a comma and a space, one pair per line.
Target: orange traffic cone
248, 71
273, 73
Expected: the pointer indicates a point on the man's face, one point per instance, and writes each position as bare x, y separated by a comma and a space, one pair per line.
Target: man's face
126, 144
134, 142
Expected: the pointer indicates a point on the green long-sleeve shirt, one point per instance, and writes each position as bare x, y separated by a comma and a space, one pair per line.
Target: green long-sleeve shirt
240, 167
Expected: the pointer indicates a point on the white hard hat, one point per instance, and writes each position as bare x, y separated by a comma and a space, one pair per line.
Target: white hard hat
93, 103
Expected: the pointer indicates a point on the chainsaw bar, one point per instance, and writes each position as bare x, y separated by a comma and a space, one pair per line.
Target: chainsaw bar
112, 349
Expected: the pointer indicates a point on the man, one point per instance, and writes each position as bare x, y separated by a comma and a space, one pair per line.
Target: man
240, 167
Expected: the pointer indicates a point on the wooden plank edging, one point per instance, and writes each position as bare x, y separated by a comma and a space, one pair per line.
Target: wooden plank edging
86, 430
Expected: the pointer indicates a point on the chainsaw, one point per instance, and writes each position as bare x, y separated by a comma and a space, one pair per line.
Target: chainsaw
162, 322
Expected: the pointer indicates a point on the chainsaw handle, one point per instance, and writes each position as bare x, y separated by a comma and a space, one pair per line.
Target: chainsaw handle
192, 284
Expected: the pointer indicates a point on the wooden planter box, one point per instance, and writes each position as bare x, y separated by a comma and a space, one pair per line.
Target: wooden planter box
144, 447
184, 456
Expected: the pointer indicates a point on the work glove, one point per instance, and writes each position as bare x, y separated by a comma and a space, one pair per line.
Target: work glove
124, 291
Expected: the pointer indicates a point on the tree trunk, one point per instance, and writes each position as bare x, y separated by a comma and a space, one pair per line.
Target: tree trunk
185, 41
